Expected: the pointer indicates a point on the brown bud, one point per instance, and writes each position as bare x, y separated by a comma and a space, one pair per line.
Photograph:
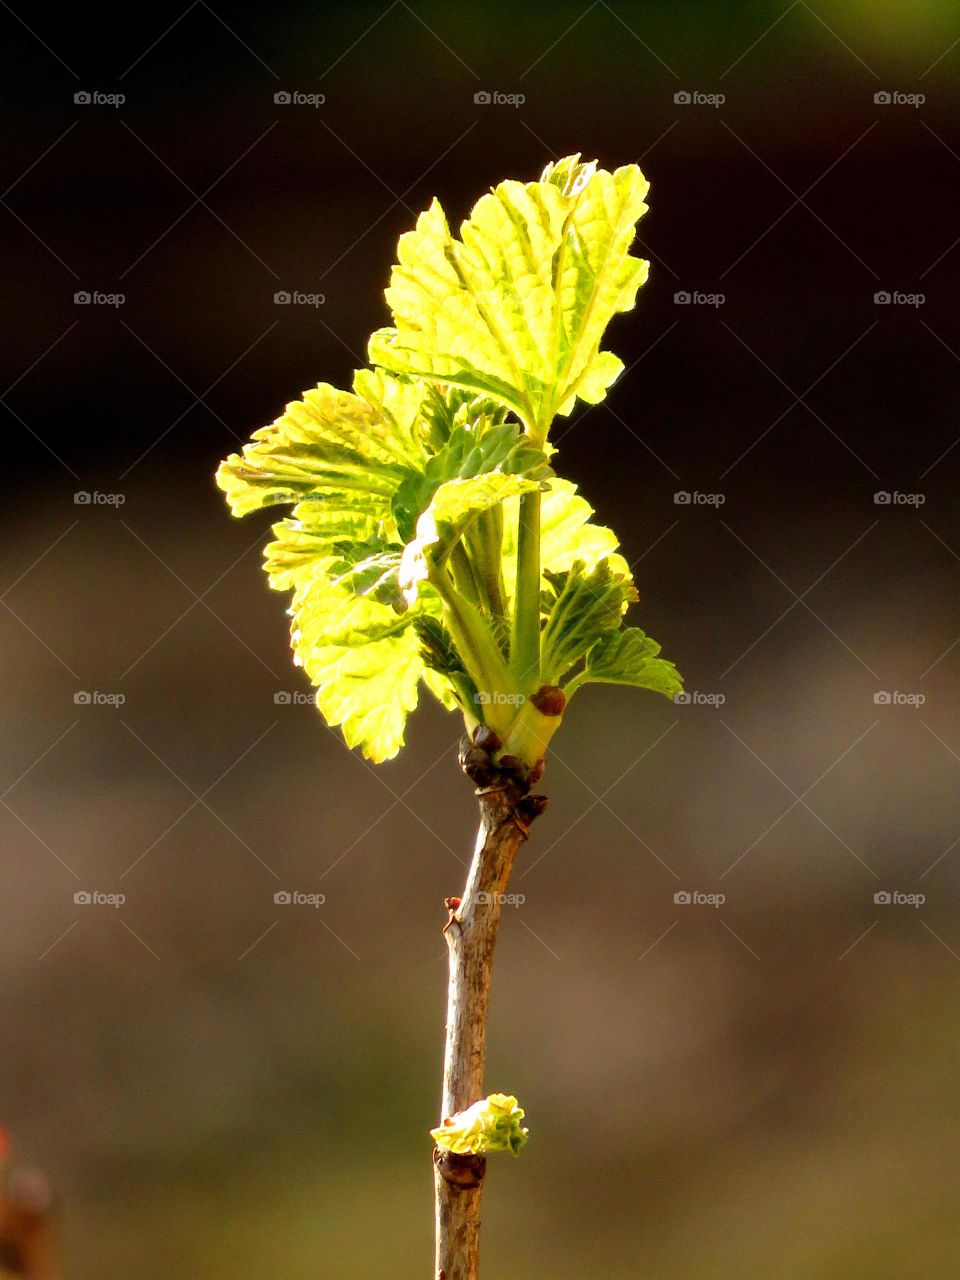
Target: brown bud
486, 739
531, 807
477, 765
460, 1170
549, 700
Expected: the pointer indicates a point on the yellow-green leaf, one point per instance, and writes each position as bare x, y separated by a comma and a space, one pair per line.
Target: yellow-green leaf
517, 306
363, 659
353, 450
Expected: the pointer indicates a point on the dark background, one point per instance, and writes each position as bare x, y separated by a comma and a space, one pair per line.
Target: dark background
222, 1087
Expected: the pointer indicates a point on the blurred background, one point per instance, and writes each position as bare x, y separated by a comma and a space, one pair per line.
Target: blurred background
219, 1085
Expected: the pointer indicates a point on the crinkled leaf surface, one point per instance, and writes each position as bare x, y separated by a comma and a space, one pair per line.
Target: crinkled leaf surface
363, 658
629, 657
353, 448
583, 609
492, 1124
516, 307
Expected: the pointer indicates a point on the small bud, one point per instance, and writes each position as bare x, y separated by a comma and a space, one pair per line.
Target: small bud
477, 765
492, 1124
531, 807
549, 700
486, 739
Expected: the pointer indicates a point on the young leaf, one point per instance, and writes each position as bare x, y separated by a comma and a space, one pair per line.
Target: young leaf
628, 657
454, 506
351, 449
516, 308
584, 607
364, 660
471, 449
492, 1124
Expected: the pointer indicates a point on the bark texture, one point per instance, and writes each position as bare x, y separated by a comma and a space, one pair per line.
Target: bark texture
471, 933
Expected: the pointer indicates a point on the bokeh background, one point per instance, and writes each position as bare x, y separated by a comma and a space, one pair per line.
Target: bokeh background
220, 1086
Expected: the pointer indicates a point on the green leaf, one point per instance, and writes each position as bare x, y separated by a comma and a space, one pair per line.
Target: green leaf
471, 449
516, 308
310, 536
628, 657
351, 449
363, 658
492, 1124
454, 506
584, 607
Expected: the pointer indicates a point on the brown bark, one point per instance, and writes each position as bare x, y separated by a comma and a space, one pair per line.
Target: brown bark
471, 933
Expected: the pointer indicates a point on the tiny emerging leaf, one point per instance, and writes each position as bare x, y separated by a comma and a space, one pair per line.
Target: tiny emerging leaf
492, 1124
